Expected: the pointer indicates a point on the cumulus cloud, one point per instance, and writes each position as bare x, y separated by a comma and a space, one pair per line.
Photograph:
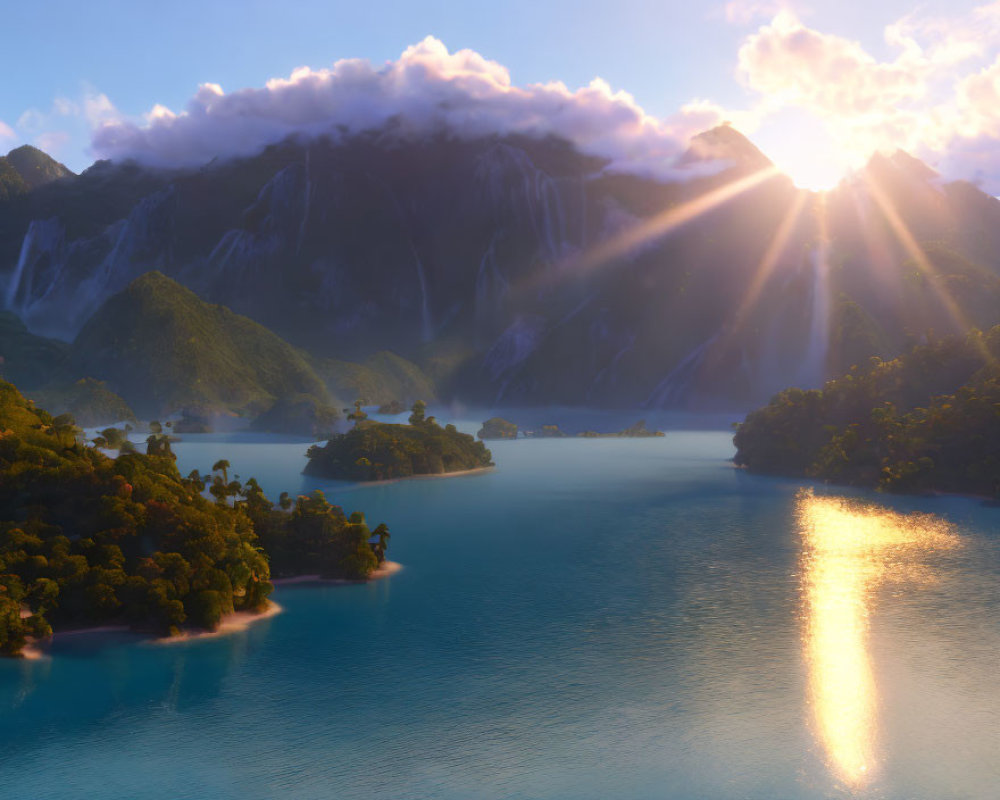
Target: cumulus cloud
743, 12
6, 132
426, 89
928, 98
53, 129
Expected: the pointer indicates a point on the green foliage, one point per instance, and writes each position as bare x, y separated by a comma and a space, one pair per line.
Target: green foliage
637, 430
497, 428
165, 349
380, 379
35, 167
90, 402
299, 414
926, 421
374, 451
85, 539
317, 537
27, 360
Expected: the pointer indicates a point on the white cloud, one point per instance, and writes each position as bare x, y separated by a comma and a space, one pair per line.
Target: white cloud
426, 89
928, 98
6, 132
743, 12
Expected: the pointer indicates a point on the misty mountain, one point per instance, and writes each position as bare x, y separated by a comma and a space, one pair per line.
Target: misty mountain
517, 270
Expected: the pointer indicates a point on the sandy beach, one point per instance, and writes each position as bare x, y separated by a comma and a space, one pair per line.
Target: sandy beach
388, 568
232, 623
354, 485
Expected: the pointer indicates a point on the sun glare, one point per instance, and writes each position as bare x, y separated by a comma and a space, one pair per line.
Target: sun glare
802, 147
849, 549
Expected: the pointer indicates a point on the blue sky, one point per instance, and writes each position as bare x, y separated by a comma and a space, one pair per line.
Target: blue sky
139, 54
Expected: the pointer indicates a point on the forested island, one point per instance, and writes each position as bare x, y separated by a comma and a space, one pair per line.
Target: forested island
928, 421
499, 428
374, 451
90, 540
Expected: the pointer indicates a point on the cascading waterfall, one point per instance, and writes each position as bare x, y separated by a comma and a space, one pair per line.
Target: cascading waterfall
812, 372
673, 388
305, 206
426, 325
41, 236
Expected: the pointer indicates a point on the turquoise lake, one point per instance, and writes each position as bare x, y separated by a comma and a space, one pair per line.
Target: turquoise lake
593, 619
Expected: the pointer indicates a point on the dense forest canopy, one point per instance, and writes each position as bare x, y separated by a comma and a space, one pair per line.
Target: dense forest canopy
373, 451
926, 421
87, 539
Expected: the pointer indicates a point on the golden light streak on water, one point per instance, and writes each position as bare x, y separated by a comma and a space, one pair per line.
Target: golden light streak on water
849, 548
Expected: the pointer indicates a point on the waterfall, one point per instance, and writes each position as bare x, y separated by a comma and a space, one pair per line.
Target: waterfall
673, 388
22, 260
426, 325
42, 236
812, 372
305, 206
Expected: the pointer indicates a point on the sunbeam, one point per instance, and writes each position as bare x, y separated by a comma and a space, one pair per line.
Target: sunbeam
652, 229
915, 252
770, 258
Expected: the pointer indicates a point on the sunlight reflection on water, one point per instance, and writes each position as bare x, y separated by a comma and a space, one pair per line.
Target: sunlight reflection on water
849, 549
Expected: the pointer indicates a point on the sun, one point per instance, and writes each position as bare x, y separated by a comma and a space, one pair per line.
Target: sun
802, 147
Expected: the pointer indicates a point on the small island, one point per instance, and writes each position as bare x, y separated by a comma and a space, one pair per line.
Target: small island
497, 428
926, 421
636, 431
392, 408
376, 451
546, 432
87, 540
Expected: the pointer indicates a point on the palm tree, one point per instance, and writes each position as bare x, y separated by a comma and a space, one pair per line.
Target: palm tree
379, 547
222, 466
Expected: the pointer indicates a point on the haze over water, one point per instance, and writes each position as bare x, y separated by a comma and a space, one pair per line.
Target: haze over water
594, 619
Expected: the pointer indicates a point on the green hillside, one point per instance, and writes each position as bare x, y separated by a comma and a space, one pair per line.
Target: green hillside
926, 421
35, 167
378, 380
25, 359
164, 349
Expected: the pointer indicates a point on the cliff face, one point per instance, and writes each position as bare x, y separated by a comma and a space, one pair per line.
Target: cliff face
488, 261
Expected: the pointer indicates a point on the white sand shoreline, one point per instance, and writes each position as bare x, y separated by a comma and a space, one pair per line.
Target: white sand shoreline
388, 568
352, 485
231, 623
36, 649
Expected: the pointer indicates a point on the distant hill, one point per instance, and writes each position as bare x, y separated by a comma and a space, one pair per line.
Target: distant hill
35, 167
378, 380
27, 360
164, 349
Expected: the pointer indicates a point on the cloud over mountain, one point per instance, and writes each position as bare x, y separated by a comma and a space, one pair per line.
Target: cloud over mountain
425, 90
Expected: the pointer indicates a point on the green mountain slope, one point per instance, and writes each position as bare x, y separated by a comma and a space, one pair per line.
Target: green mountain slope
926, 421
25, 359
380, 379
35, 167
163, 349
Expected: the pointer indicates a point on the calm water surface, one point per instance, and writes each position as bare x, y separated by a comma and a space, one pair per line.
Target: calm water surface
594, 619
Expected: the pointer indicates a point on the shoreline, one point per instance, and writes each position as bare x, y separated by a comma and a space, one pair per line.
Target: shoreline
462, 473
231, 623
388, 568
37, 649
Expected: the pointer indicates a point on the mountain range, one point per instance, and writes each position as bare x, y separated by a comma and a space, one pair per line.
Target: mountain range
520, 271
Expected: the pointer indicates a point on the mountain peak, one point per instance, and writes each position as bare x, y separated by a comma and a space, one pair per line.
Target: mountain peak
724, 143
902, 164
36, 167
